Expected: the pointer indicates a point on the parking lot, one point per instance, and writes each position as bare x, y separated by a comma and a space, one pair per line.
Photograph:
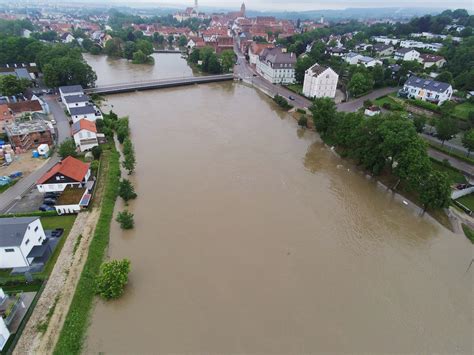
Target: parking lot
30, 202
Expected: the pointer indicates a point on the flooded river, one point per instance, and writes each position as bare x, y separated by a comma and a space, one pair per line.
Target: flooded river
252, 237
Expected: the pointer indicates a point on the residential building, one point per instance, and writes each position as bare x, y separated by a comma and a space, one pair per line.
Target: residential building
88, 112
22, 108
336, 51
320, 81
385, 40
76, 101
29, 134
85, 134
4, 331
422, 45
352, 58
67, 37
372, 111
70, 90
430, 60
68, 172
73, 199
6, 116
383, 49
406, 54
18, 238
427, 90
369, 62
256, 49
277, 66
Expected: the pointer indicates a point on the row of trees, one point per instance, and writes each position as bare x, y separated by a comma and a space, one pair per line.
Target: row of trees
61, 64
211, 62
384, 143
138, 50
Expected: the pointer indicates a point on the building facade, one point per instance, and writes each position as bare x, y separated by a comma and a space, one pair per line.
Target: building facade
320, 81
277, 66
427, 90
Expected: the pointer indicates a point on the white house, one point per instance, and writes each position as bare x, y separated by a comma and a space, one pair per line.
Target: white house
67, 38
385, 40
68, 172
88, 112
277, 66
85, 135
4, 332
369, 62
18, 238
406, 54
427, 90
76, 101
430, 60
352, 58
320, 81
74, 199
70, 90
255, 50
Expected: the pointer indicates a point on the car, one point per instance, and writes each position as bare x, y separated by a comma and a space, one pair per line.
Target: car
291, 98
51, 195
45, 208
254, 75
49, 201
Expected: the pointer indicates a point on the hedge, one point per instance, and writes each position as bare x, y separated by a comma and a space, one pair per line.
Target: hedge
31, 214
76, 322
426, 105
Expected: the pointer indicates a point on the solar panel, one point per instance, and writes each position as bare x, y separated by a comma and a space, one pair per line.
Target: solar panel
85, 200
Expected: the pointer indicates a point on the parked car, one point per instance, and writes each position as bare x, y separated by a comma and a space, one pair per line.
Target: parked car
45, 208
49, 201
291, 98
51, 195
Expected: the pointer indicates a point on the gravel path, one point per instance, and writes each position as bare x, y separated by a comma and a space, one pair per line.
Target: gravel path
61, 285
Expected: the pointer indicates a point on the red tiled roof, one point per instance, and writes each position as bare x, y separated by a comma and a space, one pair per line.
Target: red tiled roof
25, 106
84, 124
70, 167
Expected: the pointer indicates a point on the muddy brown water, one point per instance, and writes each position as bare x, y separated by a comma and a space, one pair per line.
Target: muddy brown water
252, 237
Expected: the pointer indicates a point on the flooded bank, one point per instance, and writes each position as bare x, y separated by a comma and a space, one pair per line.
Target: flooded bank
252, 237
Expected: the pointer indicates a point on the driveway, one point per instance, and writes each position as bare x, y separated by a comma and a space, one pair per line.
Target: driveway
354, 105
16, 192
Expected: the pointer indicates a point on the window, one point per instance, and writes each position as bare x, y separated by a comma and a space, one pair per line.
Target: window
27, 242
39, 239
36, 229
9, 250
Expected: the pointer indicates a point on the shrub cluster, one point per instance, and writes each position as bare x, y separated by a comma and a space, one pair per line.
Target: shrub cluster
113, 277
281, 101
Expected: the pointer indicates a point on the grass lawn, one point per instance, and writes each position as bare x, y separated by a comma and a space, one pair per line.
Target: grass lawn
449, 152
395, 106
468, 232
6, 187
467, 201
462, 110
454, 175
297, 88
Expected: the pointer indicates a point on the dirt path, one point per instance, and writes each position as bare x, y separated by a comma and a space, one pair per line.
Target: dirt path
61, 285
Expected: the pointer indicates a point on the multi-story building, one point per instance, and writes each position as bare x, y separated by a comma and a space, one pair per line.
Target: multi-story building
406, 54
277, 66
320, 81
29, 134
427, 90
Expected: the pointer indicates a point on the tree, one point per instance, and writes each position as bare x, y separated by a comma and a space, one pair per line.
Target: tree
195, 56
129, 163
378, 75
446, 129
112, 278
302, 64
68, 71
303, 121
141, 58
126, 190
228, 60
324, 114
144, 46
113, 47
125, 219
468, 141
158, 38
182, 41
419, 122
170, 39
213, 66
435, 190
67, 148
97, 150
10, 85
128, 49
445, 77
360, 84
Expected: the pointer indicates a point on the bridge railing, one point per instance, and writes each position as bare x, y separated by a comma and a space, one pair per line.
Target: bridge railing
158, 81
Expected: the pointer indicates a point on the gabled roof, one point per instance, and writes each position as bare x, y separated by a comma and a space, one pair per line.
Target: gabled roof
72, 99
431, 58
25, 106
83, 124
84, 110
70, 167
71, 89
427, 84
405, 50
277, 57
317, 69
12, 230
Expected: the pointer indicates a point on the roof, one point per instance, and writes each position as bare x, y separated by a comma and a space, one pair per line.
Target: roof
366, 59
26, 127
72, 99
70, 167
427, 84
317, 69
277, 57
12, 230
352, 55
381, 47
71, 89
431, 58
25, 106
83, 124
71, 196
22, 73
84, 110
405, 50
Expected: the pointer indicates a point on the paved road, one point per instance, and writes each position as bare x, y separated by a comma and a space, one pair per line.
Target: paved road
456, 163
448, 144
14, 193
354, 105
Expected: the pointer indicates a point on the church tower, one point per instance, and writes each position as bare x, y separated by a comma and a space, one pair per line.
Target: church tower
196, 8
242, 10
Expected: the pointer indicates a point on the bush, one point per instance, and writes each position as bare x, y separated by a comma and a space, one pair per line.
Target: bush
113, 278
303, 121
125, 219
426, 105
95, 167
367, 103
96, 152
300, 110
126, 190
281, 101
67, 148
387, 106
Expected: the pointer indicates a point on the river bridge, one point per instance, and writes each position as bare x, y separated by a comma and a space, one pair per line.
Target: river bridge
157, 84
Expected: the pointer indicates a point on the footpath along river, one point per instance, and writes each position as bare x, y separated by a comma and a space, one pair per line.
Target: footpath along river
252, 237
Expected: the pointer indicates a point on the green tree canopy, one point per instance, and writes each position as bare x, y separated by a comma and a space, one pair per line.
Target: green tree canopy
10, 85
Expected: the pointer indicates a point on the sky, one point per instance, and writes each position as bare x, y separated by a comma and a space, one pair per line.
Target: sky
303, 5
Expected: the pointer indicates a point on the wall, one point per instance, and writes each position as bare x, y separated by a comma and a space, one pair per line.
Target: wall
460, 193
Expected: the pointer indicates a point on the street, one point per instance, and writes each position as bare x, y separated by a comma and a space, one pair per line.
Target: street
14, 193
